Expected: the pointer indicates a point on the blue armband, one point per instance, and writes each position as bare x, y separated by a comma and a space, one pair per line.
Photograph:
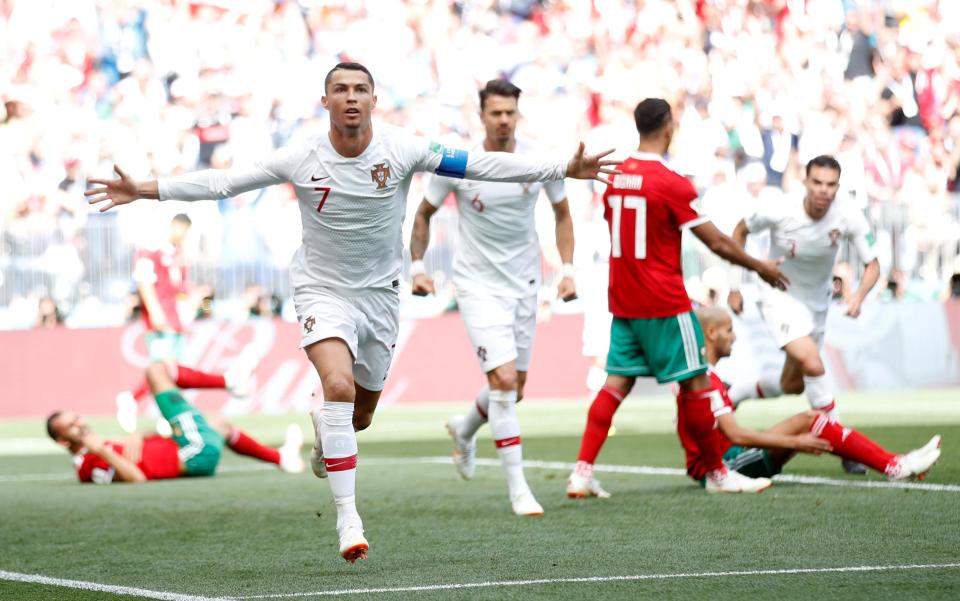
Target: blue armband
453, 163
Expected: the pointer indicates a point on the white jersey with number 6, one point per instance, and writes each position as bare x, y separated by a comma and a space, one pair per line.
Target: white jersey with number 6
498, 252
809, 247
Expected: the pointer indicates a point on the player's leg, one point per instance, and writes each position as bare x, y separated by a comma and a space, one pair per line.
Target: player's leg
287, 457
161, 348
336, 439
625, 361
330, 331
767, 386
200, 444
803, 353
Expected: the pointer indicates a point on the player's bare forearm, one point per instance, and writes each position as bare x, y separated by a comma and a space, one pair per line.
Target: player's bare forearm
127, 471
724, 246
420, 236
148, 293
746, 437
740, 233
871, 274
564, 231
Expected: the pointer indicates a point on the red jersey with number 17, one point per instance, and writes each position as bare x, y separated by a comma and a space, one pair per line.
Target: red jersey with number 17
647, 206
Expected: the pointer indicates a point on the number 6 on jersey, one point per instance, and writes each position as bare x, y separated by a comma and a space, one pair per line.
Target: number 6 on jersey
618, 204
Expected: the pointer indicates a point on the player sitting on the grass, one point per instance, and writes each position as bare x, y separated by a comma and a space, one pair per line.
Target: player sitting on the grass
194, 449
763, 454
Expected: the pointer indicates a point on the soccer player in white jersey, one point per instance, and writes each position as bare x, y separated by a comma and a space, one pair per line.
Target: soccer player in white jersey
497, 275
805, 234
352, 185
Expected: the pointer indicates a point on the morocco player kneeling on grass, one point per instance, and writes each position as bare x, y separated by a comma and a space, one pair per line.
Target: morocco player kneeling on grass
763, 454
193, 450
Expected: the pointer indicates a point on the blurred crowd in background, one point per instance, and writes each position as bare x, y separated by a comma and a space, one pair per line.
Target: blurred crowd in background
161, 87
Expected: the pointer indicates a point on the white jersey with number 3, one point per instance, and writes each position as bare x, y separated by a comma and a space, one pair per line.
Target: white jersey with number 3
352, 208
809, 247
498, 251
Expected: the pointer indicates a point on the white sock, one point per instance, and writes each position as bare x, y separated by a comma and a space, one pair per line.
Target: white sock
767, 387
340, 456
474, 418
820, 396
505, 428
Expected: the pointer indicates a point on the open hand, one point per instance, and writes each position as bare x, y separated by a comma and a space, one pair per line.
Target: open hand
591, 166
115, 191
770, 273
809, 443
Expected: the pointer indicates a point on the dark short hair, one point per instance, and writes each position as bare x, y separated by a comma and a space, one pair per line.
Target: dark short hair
652, 115
182, 218
50, 431
347, 67
824, 160
498, 87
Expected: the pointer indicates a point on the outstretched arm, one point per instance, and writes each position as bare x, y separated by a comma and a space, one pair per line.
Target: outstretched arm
727, 248
126, 470
209, 184
511, 167
419, 240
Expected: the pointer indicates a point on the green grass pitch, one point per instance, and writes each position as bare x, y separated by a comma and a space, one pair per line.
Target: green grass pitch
253, 532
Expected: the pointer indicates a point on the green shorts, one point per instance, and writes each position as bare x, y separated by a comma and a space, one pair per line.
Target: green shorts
199, 443
668, 348
166, 346
751, 462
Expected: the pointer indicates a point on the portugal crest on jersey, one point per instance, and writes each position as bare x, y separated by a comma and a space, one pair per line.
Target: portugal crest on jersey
835, 237
380, 174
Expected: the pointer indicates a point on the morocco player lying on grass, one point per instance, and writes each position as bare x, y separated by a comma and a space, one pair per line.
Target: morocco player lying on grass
193, 450
762, 454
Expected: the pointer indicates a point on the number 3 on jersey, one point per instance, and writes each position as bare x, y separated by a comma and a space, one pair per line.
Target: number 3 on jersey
618, 204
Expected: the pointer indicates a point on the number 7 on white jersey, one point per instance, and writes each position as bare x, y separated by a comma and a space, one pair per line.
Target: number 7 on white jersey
617, 205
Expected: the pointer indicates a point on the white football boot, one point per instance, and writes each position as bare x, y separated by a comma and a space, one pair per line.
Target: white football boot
916, 463
353, 545
524, 504
464, 451
581, 487
726, 480
290, 459
316, 453
127, 410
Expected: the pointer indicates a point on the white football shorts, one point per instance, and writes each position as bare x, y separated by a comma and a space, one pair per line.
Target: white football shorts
789, 319
367, 323
501, 328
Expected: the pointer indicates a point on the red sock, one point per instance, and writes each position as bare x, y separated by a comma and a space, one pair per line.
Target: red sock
850, 444
696, 427
599, 418
141, 390
244, 445
192, 378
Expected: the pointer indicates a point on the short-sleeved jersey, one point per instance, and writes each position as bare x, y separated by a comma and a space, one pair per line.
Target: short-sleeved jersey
498, 251
647, 206
352, 208
158, 460
809, 247
165, 269
720, 404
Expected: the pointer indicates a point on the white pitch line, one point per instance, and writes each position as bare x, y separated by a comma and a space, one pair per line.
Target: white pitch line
641, 470
670, 471
593, 579
102, 588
